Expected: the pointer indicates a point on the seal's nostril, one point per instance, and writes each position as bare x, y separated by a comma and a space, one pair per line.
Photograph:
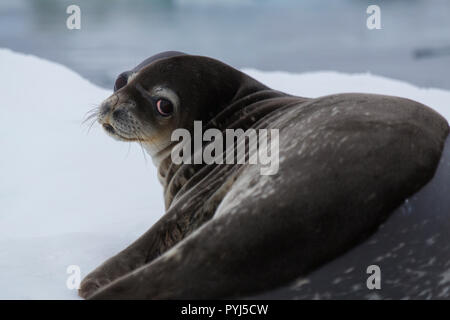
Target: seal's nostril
108, 127
105, 108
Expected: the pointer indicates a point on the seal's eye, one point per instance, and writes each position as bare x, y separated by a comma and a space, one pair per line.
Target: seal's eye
121, 82
164, 107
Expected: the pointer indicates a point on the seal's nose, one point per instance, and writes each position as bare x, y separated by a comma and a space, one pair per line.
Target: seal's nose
105, 108
108, 105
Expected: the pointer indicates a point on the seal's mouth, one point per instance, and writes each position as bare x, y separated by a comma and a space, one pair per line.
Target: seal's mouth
109, 128
116, 134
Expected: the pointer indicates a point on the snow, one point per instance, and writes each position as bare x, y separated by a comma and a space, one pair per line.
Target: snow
316, 84
73, 197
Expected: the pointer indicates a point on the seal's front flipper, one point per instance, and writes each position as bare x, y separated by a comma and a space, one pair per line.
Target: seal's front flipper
149, 246
113, 268
218, 260
163, 235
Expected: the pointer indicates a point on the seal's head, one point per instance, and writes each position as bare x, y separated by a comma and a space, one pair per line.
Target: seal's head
168, 91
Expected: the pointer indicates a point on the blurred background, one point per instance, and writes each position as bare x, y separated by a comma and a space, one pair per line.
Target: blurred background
288, 35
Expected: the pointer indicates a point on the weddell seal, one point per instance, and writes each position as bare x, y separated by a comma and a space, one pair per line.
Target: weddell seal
346, 165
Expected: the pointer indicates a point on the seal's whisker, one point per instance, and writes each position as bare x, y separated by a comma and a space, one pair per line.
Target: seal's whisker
92, 116
143, 151
128, 151
94, 120
94, 109
139, 138
93, 113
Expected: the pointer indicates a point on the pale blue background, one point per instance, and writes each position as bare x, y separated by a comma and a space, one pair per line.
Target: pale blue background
296, 36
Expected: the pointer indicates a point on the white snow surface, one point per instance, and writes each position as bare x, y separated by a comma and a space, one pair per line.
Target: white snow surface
73, 197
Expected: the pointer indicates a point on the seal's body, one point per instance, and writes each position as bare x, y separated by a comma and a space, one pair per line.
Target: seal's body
346, 162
